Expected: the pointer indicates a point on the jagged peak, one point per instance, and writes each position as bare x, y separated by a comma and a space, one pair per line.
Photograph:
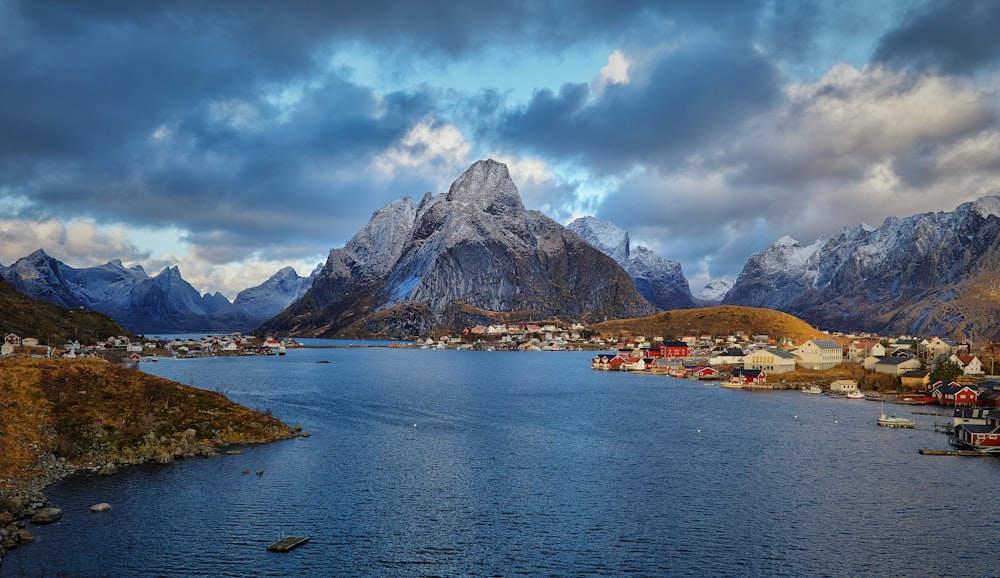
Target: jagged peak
786, 241
988, 205
487, 185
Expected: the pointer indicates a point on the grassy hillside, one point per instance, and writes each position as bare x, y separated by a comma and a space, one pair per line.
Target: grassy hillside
50, 324
720, 320
92, 412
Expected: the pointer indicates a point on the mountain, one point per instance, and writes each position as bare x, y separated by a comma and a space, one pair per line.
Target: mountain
928, 274
51, 324
714, 291
659, 280
470, 256
165, 303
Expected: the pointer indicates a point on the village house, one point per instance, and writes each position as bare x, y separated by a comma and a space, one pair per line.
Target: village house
726, 356
770, 360
819, 354
916, 379
970, 364
671, 349
955, 394
843, 386
748, 376
12, 339
896, 365
985, 438
861, 350
938, 346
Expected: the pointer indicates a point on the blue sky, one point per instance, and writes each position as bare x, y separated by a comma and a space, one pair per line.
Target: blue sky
235, 137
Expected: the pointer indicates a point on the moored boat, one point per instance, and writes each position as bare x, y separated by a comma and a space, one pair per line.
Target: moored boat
812, 389
855, 395
892, 420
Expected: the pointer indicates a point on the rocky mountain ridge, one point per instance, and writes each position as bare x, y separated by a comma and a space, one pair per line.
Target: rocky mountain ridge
469, 256
928, 274
165, 303
660, 281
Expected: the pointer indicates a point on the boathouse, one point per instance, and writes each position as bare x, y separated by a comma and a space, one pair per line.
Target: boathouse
748, 376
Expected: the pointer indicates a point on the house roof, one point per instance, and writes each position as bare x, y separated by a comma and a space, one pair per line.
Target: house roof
826, 344
892, 360
916, 374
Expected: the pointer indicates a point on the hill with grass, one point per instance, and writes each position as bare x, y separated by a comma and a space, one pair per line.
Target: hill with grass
51, 324
718, 321
63, 415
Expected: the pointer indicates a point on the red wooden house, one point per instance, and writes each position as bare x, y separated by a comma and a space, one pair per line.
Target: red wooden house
955, 394
670, 349
748, 376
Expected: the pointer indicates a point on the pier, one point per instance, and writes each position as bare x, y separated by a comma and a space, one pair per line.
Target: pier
287, 543
966, 453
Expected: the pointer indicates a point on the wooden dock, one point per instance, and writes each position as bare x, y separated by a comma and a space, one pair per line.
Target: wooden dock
967, 453
287, 543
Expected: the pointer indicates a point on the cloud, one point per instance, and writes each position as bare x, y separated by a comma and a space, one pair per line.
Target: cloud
614, 72
945, 36
685, 104
78, 243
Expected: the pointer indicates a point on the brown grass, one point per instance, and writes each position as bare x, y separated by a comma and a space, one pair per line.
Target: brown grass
717, 321
84, 409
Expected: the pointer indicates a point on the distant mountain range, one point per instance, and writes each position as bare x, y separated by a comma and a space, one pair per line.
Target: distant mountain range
474, 255
928, 274
165, 303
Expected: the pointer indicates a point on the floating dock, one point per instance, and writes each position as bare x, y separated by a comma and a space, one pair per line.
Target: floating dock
287, 543
968, 453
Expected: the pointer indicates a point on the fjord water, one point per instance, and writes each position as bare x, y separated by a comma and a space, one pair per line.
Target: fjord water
457, 463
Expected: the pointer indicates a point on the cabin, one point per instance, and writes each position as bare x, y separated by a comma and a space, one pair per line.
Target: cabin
955, 394
748, 376
984, 438
843, 386
671, 349
916, 379
976, 416
771, 360
819, 354
704, 372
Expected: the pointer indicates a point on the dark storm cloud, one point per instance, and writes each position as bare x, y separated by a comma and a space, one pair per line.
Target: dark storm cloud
950, 36
690, 98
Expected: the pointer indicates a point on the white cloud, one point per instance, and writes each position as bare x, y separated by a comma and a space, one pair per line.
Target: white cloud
437, 151
616, 71
78, 243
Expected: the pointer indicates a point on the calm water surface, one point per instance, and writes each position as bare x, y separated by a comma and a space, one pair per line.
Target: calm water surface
450, 463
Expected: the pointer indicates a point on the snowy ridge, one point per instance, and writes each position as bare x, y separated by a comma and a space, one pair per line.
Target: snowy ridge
660, 281
165, 303
871, 278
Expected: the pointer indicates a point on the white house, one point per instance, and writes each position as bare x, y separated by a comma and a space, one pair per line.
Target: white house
820, 354
861, 350
970, 364
770, 360
843, 386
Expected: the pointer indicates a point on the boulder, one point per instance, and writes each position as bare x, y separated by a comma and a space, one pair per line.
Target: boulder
47, 516
102, 507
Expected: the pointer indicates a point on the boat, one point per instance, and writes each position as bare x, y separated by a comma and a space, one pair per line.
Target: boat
812, 389
855, 395
892, 420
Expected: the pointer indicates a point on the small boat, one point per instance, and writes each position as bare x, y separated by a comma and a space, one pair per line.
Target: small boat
812, 389
855, 395
892, 420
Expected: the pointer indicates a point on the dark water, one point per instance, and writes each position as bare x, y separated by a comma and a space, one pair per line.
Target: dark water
448, 463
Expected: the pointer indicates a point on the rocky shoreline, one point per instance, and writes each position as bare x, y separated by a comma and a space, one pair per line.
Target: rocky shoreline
23, 501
